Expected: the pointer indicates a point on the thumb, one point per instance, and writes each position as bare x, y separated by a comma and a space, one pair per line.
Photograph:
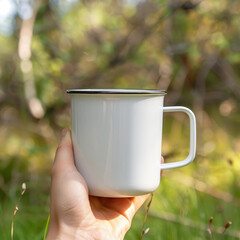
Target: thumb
64, 159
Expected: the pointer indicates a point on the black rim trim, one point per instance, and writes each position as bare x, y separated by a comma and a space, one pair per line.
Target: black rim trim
116, 91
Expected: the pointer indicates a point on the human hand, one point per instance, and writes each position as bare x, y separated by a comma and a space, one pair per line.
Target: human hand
76, 215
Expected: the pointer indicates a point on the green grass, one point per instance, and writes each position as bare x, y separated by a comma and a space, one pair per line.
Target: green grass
31, 218
177, 212
181, 206
29, 222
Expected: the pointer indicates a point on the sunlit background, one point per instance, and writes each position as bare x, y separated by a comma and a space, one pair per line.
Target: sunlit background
191, 48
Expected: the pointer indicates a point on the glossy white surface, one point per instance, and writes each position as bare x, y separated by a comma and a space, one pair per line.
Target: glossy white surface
193, 138
117, 142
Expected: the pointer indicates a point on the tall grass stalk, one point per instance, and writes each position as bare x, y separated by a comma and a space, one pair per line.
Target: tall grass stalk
16, 208
46, 228
210, 230
145, 231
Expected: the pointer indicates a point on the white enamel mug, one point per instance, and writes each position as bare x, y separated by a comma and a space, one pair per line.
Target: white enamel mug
117, 138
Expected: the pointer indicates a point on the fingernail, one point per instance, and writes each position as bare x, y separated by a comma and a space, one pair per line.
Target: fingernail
68, 135
64, 132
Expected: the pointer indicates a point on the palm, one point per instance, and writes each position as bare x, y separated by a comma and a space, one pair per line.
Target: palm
72, 202
117, 213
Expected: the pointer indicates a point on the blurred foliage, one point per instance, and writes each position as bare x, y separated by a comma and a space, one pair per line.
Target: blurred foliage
190, 48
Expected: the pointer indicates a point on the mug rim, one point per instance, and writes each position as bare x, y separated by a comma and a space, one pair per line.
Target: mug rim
117, 91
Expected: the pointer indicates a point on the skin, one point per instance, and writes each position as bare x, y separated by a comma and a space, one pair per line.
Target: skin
76, 215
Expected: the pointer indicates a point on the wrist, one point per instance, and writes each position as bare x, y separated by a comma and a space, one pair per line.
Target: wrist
66, 233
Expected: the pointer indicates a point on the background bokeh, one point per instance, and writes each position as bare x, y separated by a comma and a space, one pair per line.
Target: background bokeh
191, 48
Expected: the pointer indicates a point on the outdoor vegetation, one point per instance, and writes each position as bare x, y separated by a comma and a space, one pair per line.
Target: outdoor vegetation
191, 48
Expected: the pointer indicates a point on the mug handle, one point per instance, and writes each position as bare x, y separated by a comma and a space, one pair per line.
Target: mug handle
192, 151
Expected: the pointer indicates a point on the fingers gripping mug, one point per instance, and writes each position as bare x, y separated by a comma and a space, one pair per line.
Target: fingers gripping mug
117, 138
